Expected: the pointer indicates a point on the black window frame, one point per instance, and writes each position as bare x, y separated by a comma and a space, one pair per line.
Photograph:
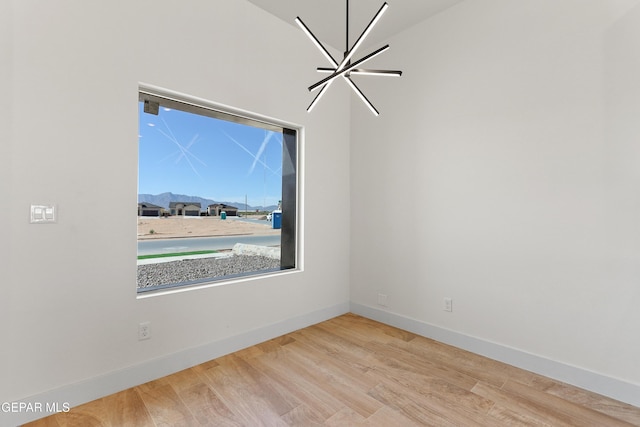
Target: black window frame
155, 98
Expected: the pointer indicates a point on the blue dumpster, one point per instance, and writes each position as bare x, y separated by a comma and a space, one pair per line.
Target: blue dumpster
276, 220
223, 215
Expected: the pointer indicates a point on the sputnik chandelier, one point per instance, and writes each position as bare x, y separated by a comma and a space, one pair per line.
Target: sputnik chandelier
346, 68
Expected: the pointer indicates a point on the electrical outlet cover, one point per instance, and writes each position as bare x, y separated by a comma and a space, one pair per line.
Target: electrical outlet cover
382, 300
144, 331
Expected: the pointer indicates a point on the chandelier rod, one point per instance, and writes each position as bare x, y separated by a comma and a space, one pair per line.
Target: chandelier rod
347, 48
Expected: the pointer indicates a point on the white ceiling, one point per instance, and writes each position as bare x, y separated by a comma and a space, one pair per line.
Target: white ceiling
327, 18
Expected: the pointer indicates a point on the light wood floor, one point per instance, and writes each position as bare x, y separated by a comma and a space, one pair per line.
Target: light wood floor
351, 371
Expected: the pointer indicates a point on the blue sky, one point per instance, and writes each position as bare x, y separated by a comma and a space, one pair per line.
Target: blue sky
194, 155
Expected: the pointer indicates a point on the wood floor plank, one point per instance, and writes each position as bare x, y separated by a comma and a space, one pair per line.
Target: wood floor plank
392, 355
425, 416
93, 414
332, 383
278, 397
358, 332
337, 347
351, 371
127, 409
471, 365
340, 365
386, 416
294, 379
166, 407
184, 379
401, 403
207, 407
272, 345
505, 416
373, 327
152, 385
346, 417
520, 405
415, 398
583, 415
240, 395
204, 366
303, 416
50, 421
586, 398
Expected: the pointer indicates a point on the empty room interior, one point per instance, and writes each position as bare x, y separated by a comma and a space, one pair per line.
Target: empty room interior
493, 205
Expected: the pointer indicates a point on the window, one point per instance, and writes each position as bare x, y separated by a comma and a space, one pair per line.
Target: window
217, 193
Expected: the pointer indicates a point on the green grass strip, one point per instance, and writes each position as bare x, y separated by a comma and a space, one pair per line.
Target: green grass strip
175, 254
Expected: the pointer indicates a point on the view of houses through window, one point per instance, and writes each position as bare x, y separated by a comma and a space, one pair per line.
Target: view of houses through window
216, 194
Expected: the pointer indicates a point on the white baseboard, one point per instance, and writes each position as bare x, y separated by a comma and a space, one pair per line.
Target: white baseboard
597, 383
113, 382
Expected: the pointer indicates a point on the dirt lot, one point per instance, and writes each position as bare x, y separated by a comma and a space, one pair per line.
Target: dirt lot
165, 228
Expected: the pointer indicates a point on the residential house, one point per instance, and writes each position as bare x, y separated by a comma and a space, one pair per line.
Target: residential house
216, 209
184, 208
149, 209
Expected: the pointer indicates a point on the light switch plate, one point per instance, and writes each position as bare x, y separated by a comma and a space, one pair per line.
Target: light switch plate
43, 214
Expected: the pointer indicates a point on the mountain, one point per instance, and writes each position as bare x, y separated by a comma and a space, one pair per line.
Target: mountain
164, 199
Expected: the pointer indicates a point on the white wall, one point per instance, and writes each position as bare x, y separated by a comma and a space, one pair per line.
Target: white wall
70, 288
5, 176
509, 155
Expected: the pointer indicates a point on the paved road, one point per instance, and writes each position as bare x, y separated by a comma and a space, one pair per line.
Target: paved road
159, 246
250, 220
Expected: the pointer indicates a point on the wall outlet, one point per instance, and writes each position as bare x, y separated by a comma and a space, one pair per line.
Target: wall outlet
144, 331
382, 300
448, 304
